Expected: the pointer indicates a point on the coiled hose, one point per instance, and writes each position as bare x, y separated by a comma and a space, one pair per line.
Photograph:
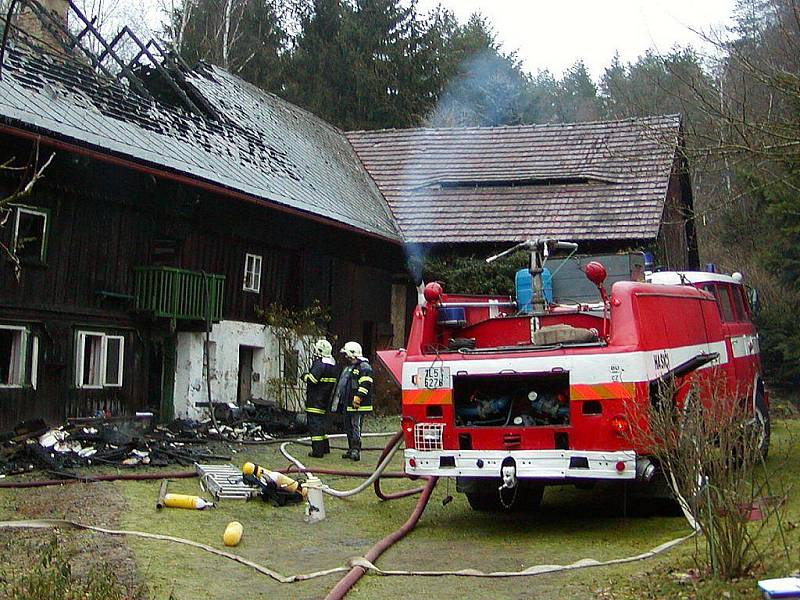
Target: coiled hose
377, 484
386, 458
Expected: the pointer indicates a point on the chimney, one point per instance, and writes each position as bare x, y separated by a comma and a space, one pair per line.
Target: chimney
44, 31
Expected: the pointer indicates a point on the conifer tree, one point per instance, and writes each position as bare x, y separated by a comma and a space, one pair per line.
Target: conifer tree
246, 37
484, 86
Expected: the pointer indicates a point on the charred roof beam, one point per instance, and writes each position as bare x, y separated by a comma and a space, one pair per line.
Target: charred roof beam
59, 33
168, 76
84, 31
171, 75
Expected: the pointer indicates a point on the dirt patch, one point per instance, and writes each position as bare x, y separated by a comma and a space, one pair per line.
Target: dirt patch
95, 504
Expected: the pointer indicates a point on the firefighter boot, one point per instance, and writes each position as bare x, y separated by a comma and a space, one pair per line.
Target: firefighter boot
355, 455
349, 454
326, 446
317, 449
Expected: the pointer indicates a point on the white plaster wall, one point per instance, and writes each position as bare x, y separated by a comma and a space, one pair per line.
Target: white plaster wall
227, 336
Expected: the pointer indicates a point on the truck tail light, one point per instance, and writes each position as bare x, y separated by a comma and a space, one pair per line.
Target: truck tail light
619, 425
407, 423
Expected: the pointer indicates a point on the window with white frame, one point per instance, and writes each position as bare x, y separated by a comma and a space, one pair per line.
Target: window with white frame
252, 273
99, 360
30, 233
12, 356
19, 357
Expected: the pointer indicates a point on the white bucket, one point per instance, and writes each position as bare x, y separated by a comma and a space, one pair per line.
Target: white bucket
315, 505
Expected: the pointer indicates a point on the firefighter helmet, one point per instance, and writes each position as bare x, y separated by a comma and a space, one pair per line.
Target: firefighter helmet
352, 350
323, 348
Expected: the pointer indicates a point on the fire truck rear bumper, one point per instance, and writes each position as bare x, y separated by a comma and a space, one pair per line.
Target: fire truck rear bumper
530, 464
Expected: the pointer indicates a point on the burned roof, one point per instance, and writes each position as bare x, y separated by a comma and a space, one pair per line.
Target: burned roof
256, 143
577, 181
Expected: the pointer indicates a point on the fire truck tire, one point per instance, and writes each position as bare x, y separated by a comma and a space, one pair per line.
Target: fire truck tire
762, 418
526, 499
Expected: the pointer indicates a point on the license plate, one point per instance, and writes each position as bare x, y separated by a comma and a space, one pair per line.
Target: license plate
432, 378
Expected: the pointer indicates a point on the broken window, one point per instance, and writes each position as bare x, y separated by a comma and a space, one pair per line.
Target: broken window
34, 372
30, 234
115, 346
19, 356
12, 356
252, 273
99, 360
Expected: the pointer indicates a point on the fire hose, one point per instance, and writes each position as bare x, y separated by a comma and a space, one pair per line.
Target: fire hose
386, 459
357, 572
97, 478
178, 475
66, 524
377, 484
353, 564
357, 566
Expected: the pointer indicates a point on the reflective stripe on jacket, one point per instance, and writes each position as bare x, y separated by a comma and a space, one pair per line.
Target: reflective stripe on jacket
361, 386
320, 381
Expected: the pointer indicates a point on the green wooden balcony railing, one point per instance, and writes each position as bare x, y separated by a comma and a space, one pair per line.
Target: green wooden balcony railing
178, 294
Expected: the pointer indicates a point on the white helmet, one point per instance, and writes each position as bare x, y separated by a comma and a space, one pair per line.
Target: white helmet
322, 348
352, 350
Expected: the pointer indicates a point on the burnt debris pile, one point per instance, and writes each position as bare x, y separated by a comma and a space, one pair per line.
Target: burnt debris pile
254, 420
138, 442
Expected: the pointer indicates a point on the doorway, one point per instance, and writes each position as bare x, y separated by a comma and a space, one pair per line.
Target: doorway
161, 377
245, 391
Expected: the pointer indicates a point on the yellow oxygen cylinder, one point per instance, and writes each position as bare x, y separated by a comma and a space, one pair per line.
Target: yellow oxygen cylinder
233, 534
284, 482
249, 468
186, 501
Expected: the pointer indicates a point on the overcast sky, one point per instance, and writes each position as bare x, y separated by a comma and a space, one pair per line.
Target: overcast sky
553, 34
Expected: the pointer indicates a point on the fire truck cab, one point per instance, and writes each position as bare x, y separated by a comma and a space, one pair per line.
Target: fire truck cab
507, 401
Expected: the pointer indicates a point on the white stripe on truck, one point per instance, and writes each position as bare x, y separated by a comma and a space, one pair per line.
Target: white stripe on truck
629, 367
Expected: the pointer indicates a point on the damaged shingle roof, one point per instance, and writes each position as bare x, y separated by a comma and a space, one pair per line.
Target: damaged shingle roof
260, 145
578, 181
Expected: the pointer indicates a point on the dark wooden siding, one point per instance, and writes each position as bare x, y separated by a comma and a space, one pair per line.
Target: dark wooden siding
674, 251
104, 221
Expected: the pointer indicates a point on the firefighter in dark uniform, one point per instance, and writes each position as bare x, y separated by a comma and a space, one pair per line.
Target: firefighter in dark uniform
320, 381
354, 396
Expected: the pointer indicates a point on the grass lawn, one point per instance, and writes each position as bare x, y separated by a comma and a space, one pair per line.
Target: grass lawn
571, 524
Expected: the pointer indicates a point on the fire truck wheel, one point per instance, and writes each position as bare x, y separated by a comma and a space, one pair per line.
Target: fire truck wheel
526, 498
762, 422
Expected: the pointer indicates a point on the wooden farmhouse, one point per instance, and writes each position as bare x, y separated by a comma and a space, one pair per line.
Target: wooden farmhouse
610, 186
172, 199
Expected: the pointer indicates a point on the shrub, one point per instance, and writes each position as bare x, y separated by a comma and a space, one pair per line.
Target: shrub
296, 331
711, 453
51, 576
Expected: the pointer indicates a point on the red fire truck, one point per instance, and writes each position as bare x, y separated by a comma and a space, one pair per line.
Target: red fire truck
508, 400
